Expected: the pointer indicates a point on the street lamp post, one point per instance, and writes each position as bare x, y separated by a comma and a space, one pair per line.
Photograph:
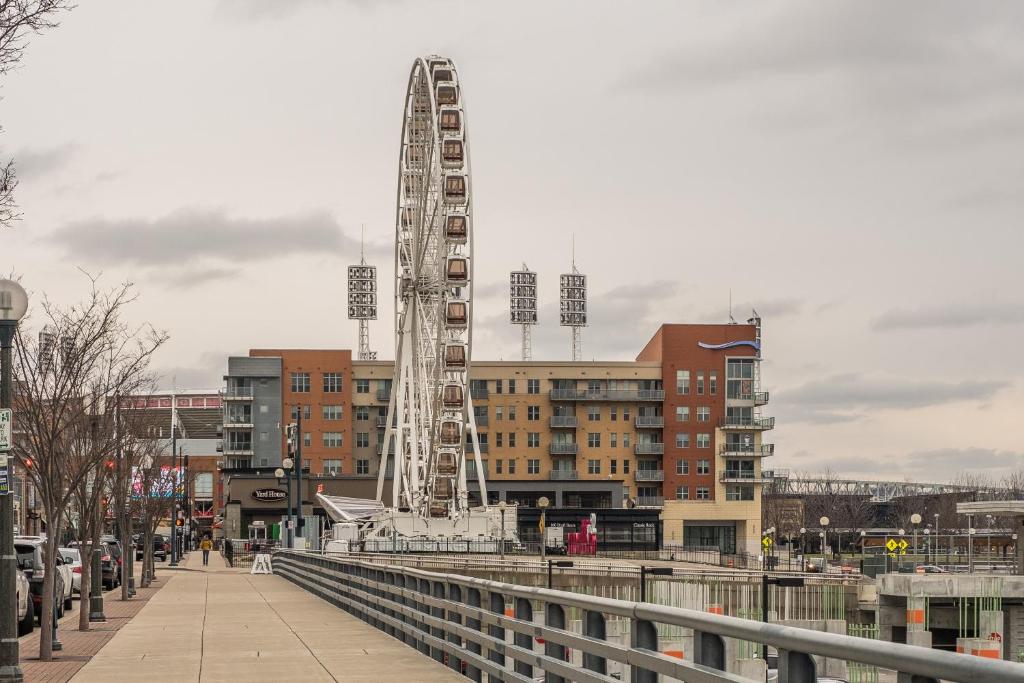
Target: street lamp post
501, 508
824, 538
936, 553
543, 503
13, 305
803, 547
915, 519
928, 544
286, 472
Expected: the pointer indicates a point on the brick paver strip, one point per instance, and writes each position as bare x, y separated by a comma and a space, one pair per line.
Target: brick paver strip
80, 646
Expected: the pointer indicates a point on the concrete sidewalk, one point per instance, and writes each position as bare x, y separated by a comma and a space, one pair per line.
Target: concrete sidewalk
220, 624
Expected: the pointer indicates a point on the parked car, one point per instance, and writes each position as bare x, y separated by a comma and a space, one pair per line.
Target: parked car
813, 566
929, 569
111, 561
160, 547
73, 559
26, 611
31, 562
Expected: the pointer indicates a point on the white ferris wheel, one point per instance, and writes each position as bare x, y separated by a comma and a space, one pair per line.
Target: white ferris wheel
430, 421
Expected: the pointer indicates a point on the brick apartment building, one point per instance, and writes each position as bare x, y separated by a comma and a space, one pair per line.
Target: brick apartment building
677, 432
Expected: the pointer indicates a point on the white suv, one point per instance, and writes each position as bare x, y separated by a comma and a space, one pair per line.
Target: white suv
26, 611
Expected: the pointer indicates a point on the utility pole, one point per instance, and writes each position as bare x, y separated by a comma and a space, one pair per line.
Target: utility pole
298, 472
13, 304
174, 485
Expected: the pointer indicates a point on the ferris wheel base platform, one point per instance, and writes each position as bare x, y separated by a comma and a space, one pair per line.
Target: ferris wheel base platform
477, 531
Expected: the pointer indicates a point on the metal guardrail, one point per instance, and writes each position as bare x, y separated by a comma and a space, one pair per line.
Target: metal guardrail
747, 423
649, 448
460, 620
570, 421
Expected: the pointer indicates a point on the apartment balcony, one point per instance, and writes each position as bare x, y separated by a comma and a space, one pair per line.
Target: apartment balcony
650, 421
760, 398
479, 393
607, 395
237, 394
384, 395
650, 501
238, 423
564, 475
649, 475
380, 449
740, 477
565, 421
238, 449
481, 420
484, 448
382, 421
555, 448
749, 450
236, 465
747, 423
650, 448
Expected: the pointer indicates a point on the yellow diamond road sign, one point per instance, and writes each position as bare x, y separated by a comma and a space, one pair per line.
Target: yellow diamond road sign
891, 545
766, 542
903, 544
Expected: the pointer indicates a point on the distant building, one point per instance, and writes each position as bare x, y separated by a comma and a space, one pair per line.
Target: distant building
678, 431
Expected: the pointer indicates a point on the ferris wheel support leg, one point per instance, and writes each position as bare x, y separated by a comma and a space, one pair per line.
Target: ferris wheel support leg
480, 476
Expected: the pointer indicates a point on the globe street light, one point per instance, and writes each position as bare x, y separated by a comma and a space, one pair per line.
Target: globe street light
286, 471
543, 503
13, 306
824, 538
915, 519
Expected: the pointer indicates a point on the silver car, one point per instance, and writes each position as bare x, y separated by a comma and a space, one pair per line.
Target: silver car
26, 611
73, 560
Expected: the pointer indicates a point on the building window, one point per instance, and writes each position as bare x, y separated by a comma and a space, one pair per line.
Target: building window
307, 412
593, 466
614, 413
682, 413
683, 382
511, 439
362, 466
703, 493
700, 383
533, 466
533, 413
362, 413
511, 466
332, 467
614, 437
739, 492
499, 386
625, 414
300, 382
511, 386
682, 467
533, 386
593, 439
533, 439
593, 413
499, 413
333, 412
362, 439
614, 467
498, 465
497, 439
332, 382
511, 412
713, 382
703, 467
703, 441
682, 493
362, 386
307, 439
625, 467
682, 440
332, 439
704, 414
625, 440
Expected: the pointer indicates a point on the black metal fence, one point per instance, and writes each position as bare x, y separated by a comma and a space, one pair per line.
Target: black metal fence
239, 552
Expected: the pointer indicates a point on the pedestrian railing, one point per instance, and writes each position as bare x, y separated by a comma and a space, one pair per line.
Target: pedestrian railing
463, 621
240, 552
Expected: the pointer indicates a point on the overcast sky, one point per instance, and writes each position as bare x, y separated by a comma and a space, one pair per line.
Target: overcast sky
853, 170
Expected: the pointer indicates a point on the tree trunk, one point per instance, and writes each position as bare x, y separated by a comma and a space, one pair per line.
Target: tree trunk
85, 594
50, 572
126, 561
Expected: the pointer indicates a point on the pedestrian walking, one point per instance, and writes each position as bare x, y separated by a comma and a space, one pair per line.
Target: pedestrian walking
206, 545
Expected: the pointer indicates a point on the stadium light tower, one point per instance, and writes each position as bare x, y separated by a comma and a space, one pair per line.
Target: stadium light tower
574, 306
362, 303
523, 304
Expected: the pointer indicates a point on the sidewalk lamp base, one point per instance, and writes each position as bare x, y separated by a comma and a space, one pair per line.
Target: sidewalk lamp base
11, 674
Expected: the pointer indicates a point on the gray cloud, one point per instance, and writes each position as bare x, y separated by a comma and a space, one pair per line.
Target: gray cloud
35, 162
194, 277
206, 372
191, 235
843, 398
949, 317
256, 10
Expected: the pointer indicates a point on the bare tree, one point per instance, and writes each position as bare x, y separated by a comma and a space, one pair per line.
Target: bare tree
65, 404
87, 499
18, 20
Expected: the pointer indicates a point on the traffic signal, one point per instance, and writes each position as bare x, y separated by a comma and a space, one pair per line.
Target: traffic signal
179, 522
110, 464
28, 463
